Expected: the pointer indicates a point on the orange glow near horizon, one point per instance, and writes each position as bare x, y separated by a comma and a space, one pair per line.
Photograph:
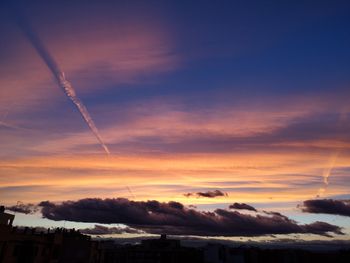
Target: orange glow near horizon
265, 177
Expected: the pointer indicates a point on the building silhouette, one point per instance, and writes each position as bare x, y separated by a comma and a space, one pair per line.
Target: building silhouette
27, 245
162, 250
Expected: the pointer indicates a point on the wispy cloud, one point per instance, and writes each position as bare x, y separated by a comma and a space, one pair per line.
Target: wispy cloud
104, 230
157, 126
244, 176
112, 52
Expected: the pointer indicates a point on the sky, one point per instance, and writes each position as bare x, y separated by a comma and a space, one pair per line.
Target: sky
201, 104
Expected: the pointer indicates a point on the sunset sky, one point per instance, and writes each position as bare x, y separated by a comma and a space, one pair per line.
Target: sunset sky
250, 99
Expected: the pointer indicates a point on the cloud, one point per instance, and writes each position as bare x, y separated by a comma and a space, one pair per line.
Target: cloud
24, 24
327, 206
121, 49
23, 208
8, 125
104, 230
242, 175
225, 128
175, 219
242, 206
208, 194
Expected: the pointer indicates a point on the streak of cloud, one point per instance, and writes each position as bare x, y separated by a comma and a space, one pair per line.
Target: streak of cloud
104, 230
9, 125
59, 75
5, 124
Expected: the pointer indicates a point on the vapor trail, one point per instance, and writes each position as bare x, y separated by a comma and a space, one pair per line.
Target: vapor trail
59, 75
130, 192
8, 125
332, 160
70, 92
327, 172
5, 124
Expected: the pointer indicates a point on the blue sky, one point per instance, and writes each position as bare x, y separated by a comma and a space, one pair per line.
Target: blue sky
248, 97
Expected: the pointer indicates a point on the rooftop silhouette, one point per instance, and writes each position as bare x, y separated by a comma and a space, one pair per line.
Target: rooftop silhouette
28, 245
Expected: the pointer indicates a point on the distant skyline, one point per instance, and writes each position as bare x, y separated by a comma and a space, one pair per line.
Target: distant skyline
240, 108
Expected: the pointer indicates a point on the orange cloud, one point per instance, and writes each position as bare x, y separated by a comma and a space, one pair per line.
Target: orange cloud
244, 177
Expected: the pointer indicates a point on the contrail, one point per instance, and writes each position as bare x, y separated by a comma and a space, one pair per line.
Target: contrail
4, 116
8, 125
59, 75
70, 92
332, 160
327, 172
130, 192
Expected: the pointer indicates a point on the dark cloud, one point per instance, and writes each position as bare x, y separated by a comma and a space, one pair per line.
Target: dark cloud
23, 208
175, 219
208, 194
275, 214
104, 230
320, 228
242, 206
37, 229
327, 206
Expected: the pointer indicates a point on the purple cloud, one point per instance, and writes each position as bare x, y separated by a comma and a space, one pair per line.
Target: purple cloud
242, 206
23, 208
327, 206
208, 194
175, 219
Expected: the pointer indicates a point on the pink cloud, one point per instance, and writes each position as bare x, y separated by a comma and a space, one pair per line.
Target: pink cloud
102, 53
